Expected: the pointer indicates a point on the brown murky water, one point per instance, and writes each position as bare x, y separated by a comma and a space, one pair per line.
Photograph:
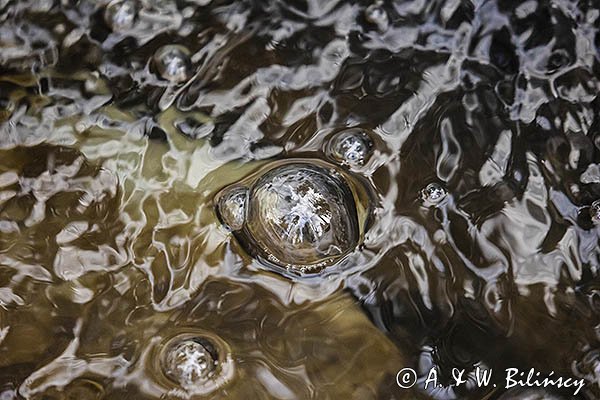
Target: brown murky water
457, 228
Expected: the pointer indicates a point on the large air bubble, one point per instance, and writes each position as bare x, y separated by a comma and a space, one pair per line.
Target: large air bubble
301, 216
433, 194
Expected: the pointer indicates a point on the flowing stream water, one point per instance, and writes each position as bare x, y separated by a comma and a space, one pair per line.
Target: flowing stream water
296, 199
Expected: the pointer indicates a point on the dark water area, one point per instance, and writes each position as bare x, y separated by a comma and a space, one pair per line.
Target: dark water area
298, 199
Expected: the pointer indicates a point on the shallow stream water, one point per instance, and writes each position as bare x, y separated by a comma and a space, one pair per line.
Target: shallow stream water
415, 187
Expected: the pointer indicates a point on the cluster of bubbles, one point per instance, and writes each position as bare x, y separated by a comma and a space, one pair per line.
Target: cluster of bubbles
170, 62
300, 215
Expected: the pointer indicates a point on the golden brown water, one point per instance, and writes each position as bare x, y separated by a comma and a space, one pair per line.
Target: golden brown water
112, 159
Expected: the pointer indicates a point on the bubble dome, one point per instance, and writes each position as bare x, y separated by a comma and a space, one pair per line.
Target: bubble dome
433, 194
120, 14
190, 362
172, 63
301, 216
196, 362
351, 147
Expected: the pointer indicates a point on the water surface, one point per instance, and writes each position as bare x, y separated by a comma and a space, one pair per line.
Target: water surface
121, 123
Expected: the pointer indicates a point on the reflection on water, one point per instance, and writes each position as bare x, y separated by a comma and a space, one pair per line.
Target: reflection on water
297, 199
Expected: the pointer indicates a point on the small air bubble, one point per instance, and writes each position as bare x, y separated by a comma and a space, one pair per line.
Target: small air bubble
433, 194
172, 63
352, 147
231, 207
120, 14
190, 362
